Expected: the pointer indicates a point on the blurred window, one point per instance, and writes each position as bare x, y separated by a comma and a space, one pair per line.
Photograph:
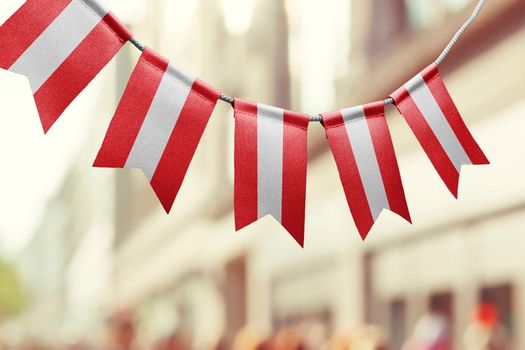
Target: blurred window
425, 13
455, 5
443, 304
389, 21
398, 331
235, 296
319, 47
238, 15
501, 297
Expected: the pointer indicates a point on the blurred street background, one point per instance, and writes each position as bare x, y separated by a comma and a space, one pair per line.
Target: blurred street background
89, 260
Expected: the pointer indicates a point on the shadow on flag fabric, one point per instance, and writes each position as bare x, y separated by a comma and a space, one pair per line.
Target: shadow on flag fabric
270, 166
158, 124
364, 153
430, 112
60, 46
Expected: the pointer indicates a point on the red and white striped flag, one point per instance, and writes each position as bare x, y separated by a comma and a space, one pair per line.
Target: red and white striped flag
364, 153
60, 46
434, 118
270, 166
158, 124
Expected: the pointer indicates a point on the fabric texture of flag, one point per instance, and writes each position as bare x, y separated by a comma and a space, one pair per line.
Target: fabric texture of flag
60, 46
270, 166
364, 153
158, 124
426, 105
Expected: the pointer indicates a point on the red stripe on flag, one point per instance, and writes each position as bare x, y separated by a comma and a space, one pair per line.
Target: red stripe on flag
245, 192
428, 140
25, 26
79, 69
183, 142
132, 110
348, 172
439, 91
294, 174
386, 158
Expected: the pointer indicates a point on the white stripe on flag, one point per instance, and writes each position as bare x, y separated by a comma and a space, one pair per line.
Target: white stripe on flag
269, 160
160, 121
427, 104
57, 42
365, 157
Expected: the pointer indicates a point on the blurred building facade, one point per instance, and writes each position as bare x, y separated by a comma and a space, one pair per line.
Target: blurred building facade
190, 271
458, 254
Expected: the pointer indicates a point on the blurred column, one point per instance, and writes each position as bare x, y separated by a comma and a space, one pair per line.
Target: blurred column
519, 340
259, 294
217, 70
417, 307
349, 311
281, 64
388, 20
235, 297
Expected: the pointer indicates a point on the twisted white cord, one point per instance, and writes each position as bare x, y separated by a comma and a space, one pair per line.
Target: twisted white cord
454, 40
388, 101
460, 32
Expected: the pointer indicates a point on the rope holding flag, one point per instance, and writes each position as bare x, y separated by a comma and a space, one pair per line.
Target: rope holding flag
270, 166
60, 46
426, 105
363, 150
158, 124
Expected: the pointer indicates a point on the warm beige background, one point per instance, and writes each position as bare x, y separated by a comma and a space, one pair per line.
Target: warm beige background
87, 242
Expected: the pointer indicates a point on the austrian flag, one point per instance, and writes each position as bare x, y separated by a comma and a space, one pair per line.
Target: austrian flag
270, 166
158, 124
367, 164
60, 46
434, 118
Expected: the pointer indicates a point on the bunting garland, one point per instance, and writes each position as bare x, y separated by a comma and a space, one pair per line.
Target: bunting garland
61, 45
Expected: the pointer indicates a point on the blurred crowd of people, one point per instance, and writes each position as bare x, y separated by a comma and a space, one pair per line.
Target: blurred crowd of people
288, 338
485, 332
431, 332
